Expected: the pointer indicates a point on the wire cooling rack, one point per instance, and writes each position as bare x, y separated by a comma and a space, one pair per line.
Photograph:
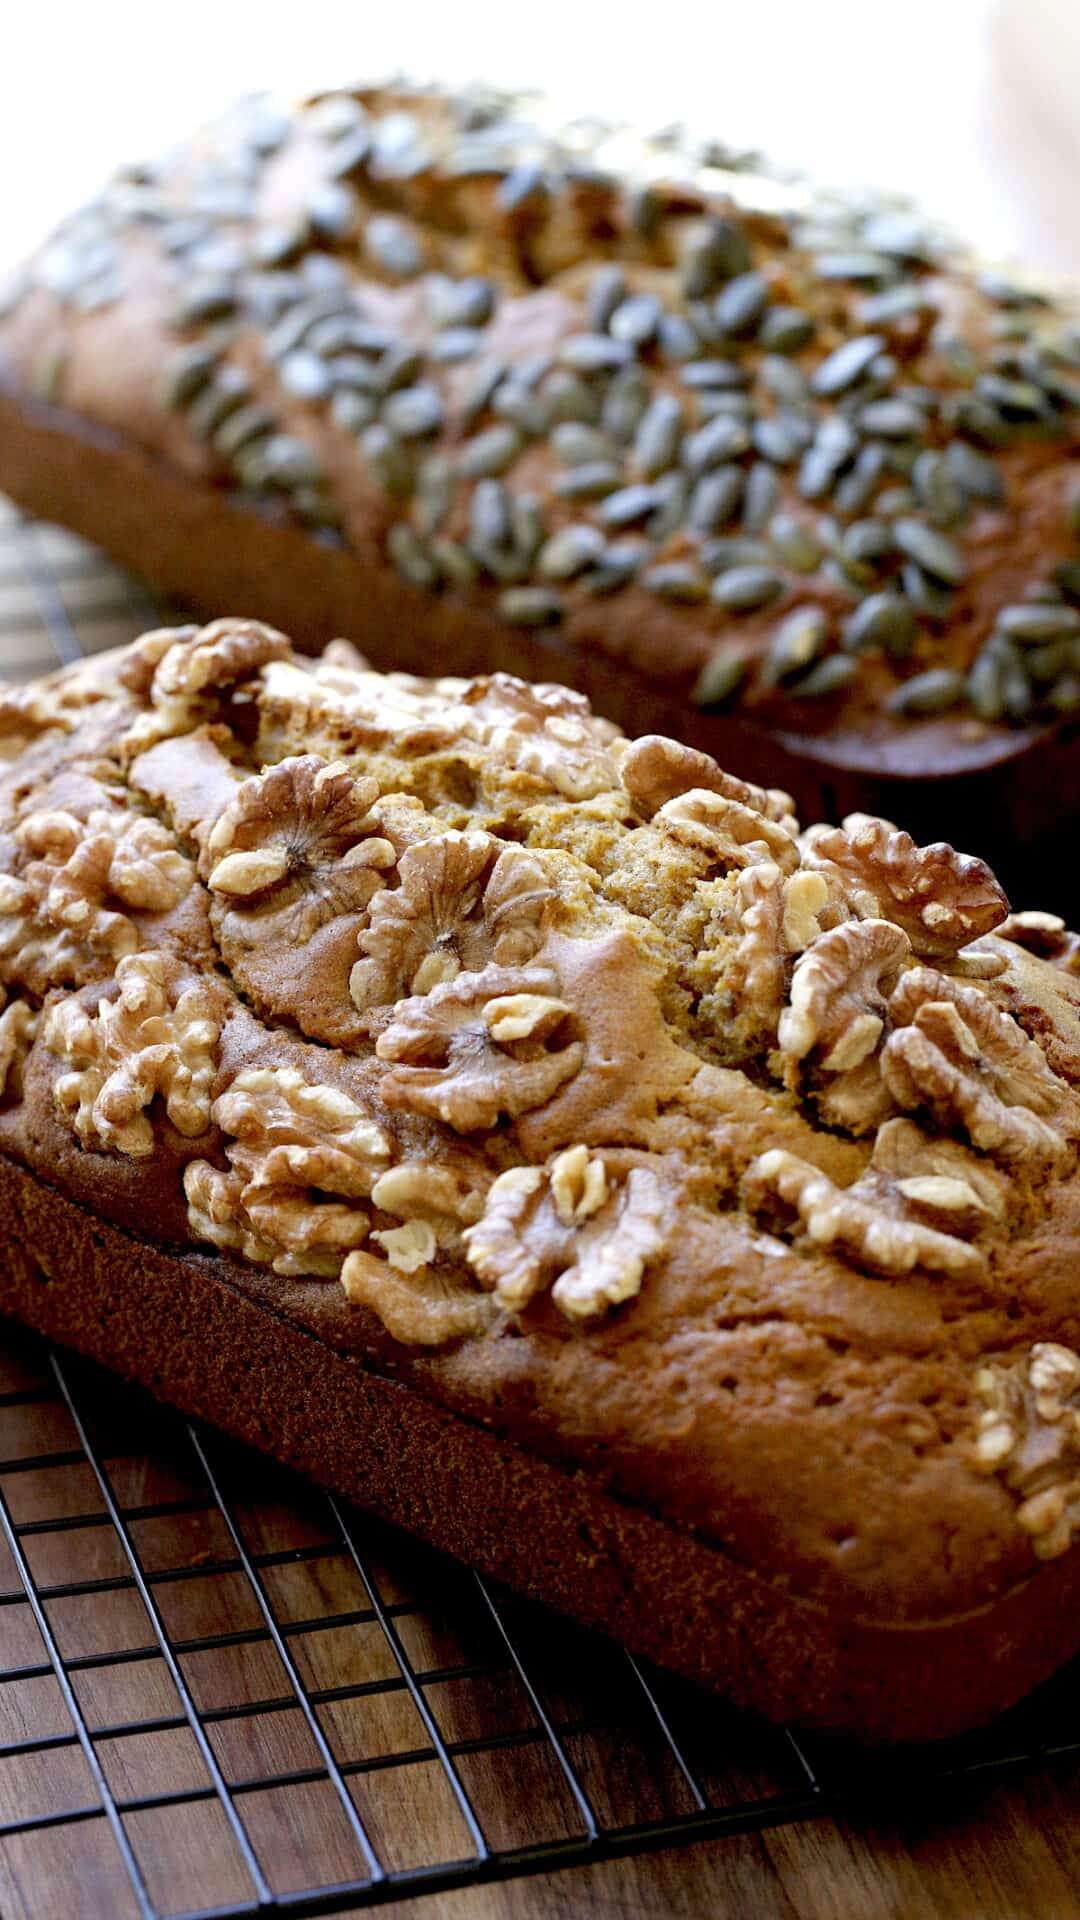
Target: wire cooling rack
223, 1693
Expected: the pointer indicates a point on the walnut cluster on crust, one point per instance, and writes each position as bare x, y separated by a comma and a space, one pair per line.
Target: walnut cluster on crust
66, 913
572, 1229
1029, 1433
482, 1045
957, 1056
462, 902
290, 1145
941, 899
572, 993
296, 847
157, 1038
875, 1221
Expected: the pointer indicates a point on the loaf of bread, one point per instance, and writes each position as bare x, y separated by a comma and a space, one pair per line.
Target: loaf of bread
791, 485
533, 1134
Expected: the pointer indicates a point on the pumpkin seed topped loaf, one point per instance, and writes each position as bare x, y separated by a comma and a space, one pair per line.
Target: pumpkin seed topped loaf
533, 1132
777, 474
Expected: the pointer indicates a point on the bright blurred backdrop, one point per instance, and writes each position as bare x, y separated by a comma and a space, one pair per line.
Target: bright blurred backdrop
972, 106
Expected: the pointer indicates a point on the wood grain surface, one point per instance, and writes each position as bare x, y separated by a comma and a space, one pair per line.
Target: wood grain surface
989, 1847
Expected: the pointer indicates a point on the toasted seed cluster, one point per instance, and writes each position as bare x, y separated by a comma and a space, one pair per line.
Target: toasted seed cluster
773, 423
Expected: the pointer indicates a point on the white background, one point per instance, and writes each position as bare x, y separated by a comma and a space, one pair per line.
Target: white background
972, 105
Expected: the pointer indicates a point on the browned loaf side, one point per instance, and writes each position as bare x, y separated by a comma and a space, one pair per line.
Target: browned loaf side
538, 1135
795, 486
218, 1340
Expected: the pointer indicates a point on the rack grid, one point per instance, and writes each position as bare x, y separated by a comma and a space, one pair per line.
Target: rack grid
224, 1693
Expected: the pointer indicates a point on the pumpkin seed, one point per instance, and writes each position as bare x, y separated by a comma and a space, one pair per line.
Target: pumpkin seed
719, 678
744, 589
932, 692
715, 498
490, 452
881, 620
795, 643
846, 364
938, 556
531, 606
676, 580
411, 557
830, 675
569, 552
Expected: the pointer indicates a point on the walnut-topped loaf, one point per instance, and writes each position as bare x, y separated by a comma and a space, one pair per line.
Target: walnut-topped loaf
534, 1133
778, 475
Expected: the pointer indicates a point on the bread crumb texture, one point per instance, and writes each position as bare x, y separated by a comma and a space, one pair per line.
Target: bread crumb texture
567, 1077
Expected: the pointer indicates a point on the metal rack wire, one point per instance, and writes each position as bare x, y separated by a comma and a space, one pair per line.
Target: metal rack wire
223, 1693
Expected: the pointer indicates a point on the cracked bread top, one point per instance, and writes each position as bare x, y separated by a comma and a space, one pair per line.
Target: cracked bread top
567, 1077
775, 453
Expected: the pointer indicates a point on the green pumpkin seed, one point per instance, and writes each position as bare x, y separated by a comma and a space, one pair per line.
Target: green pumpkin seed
412, 558
1028, 625
454, 562
676, 580
760, 497
931, 550
414, 412
569, 552
187, 373
593, 353
392, 247
786, 329
830, 675
589, 482
741, 304
531, 606
794, 544
352, 412
490, 452
656, 442
387, 459
744, 589
720, 440
795, 643
932, 692
575, 445
881, 620
623, 508
846, 364
720, 677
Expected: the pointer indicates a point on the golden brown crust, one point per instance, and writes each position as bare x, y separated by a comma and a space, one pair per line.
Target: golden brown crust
643, 1135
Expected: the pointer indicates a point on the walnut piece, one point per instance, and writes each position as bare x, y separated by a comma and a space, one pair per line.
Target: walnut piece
158, 1037
655, 770
55, 920
940, 898
959, 1056
941, 1179
855, 1220
728, 832
421, 1308
1029, 1432
839, 991
570, 1229
18, 1028
462, 902
291, 1144
482, 1045
300, 844
1046, 935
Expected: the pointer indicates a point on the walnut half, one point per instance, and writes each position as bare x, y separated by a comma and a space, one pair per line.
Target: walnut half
1029, 1432
570, 1228
940, 898
292, 1144
856, 1220
485, 1044
158, 1037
